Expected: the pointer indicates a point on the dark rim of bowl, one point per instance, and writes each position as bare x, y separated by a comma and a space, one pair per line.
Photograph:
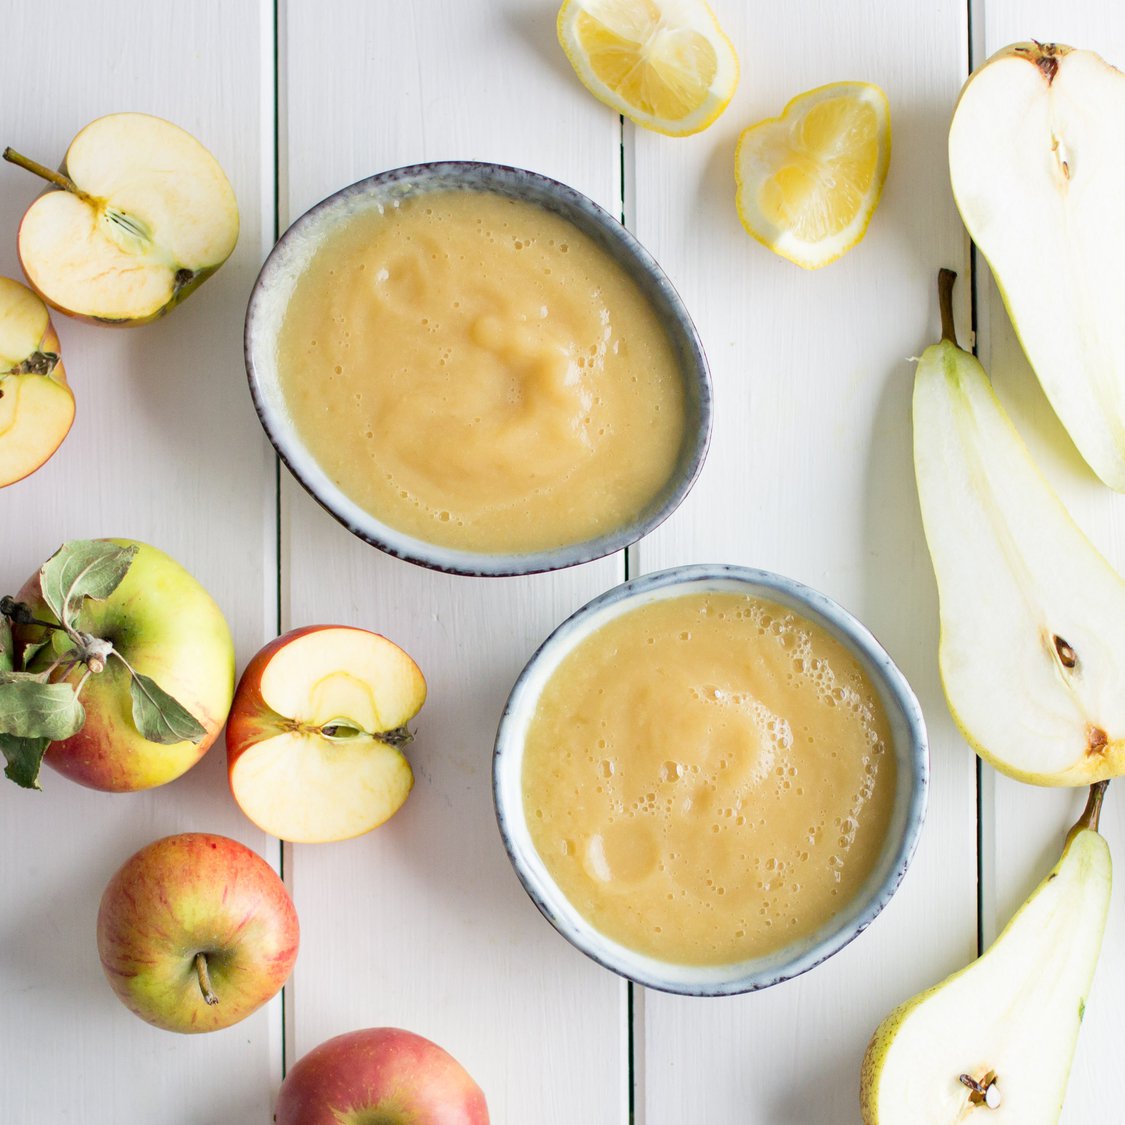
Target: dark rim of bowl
610, 234
875, 657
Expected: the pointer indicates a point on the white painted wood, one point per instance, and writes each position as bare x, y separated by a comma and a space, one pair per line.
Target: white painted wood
165, 448
810, 474
1024, 827
423, 924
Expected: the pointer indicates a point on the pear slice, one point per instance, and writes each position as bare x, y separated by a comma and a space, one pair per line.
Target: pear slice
1032, 652
993, 1044
1037, 160
36, 405
316, 730
144, 216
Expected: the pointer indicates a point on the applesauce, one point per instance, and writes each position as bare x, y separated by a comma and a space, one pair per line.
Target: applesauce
708, 778
475, 371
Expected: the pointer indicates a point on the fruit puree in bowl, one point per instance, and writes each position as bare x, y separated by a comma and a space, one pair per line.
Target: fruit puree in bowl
710, 779
476, 368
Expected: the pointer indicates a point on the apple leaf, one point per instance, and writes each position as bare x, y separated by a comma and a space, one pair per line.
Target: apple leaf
82, 568
24, 757
7, 647
30, 708
158, 716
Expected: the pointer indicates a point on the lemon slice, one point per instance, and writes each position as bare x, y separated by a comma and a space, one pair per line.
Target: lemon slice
809, 180
664, 64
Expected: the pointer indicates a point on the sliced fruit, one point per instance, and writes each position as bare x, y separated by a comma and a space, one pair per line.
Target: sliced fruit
36, 405
1032, 652
809, 181
664, 64
315, 733
1036, 160
993, 1043
144, 216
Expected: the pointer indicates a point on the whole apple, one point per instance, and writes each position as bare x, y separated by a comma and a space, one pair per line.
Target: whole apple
163, 625
195, 932
380, 1074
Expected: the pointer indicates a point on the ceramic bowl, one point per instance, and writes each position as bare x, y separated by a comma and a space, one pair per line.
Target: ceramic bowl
908, 736
295, 250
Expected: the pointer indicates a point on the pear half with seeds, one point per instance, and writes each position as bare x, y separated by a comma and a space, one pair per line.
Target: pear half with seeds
1036, 161
993, 1044
1032, 652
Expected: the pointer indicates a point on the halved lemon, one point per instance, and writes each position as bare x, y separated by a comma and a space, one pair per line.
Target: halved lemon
809, 180
664, 64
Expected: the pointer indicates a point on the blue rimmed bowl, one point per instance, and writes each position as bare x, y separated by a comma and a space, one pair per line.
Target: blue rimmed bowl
908, 739
292, 255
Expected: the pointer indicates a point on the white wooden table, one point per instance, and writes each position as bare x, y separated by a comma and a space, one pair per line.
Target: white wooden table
423, 924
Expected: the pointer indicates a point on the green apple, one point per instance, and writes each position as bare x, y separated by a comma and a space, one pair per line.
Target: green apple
195, 932
158, 623
380, 1076
315, 733
144, 216
36, 405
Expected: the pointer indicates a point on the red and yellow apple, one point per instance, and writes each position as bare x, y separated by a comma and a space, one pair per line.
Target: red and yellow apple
36, 405
315, 733
380, 1074
144, 216
195, 932
166, 626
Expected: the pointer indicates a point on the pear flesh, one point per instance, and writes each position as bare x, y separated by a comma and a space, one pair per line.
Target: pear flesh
1036, 161
1008, 1022
1032, 652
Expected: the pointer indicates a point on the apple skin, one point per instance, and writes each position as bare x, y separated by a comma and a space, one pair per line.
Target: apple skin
188, 894
380, 1076
166, 626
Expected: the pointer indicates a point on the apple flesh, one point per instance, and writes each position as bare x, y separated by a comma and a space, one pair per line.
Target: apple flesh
166, 625
36, 405
314, 734
380, 1076
145, 215
195, 932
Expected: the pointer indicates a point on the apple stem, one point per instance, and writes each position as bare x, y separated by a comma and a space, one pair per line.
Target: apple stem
48, 174
945, 280
204, 979
1091, 814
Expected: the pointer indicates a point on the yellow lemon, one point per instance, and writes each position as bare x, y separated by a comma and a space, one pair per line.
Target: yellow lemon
809, 180
664, 64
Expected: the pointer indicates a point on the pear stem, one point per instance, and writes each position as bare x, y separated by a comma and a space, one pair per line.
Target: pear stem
1093, 810
204, 979
48, 174
945, 280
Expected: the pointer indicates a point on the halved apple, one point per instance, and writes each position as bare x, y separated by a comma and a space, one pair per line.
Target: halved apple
36, 405
145, 216
315, 733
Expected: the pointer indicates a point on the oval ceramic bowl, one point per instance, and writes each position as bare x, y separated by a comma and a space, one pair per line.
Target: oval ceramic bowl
295, 250
908, 735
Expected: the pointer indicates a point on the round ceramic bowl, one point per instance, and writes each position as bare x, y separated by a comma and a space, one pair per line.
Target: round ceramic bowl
295, 250
908, 736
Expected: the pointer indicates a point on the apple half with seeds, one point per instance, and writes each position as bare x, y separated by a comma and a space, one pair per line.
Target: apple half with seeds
143, 216
315, 735
36, 405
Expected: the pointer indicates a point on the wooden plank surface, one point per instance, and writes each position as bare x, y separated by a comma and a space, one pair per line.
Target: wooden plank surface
810, 475
165, 448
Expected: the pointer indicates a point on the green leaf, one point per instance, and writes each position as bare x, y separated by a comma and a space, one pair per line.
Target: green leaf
159, 717
30, 708
24, 757
7, 647
82, 568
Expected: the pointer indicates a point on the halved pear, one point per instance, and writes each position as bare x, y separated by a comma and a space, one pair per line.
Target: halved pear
993, 1044
36, 405
1032, 652
315, 733
1037, 160
144, 216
